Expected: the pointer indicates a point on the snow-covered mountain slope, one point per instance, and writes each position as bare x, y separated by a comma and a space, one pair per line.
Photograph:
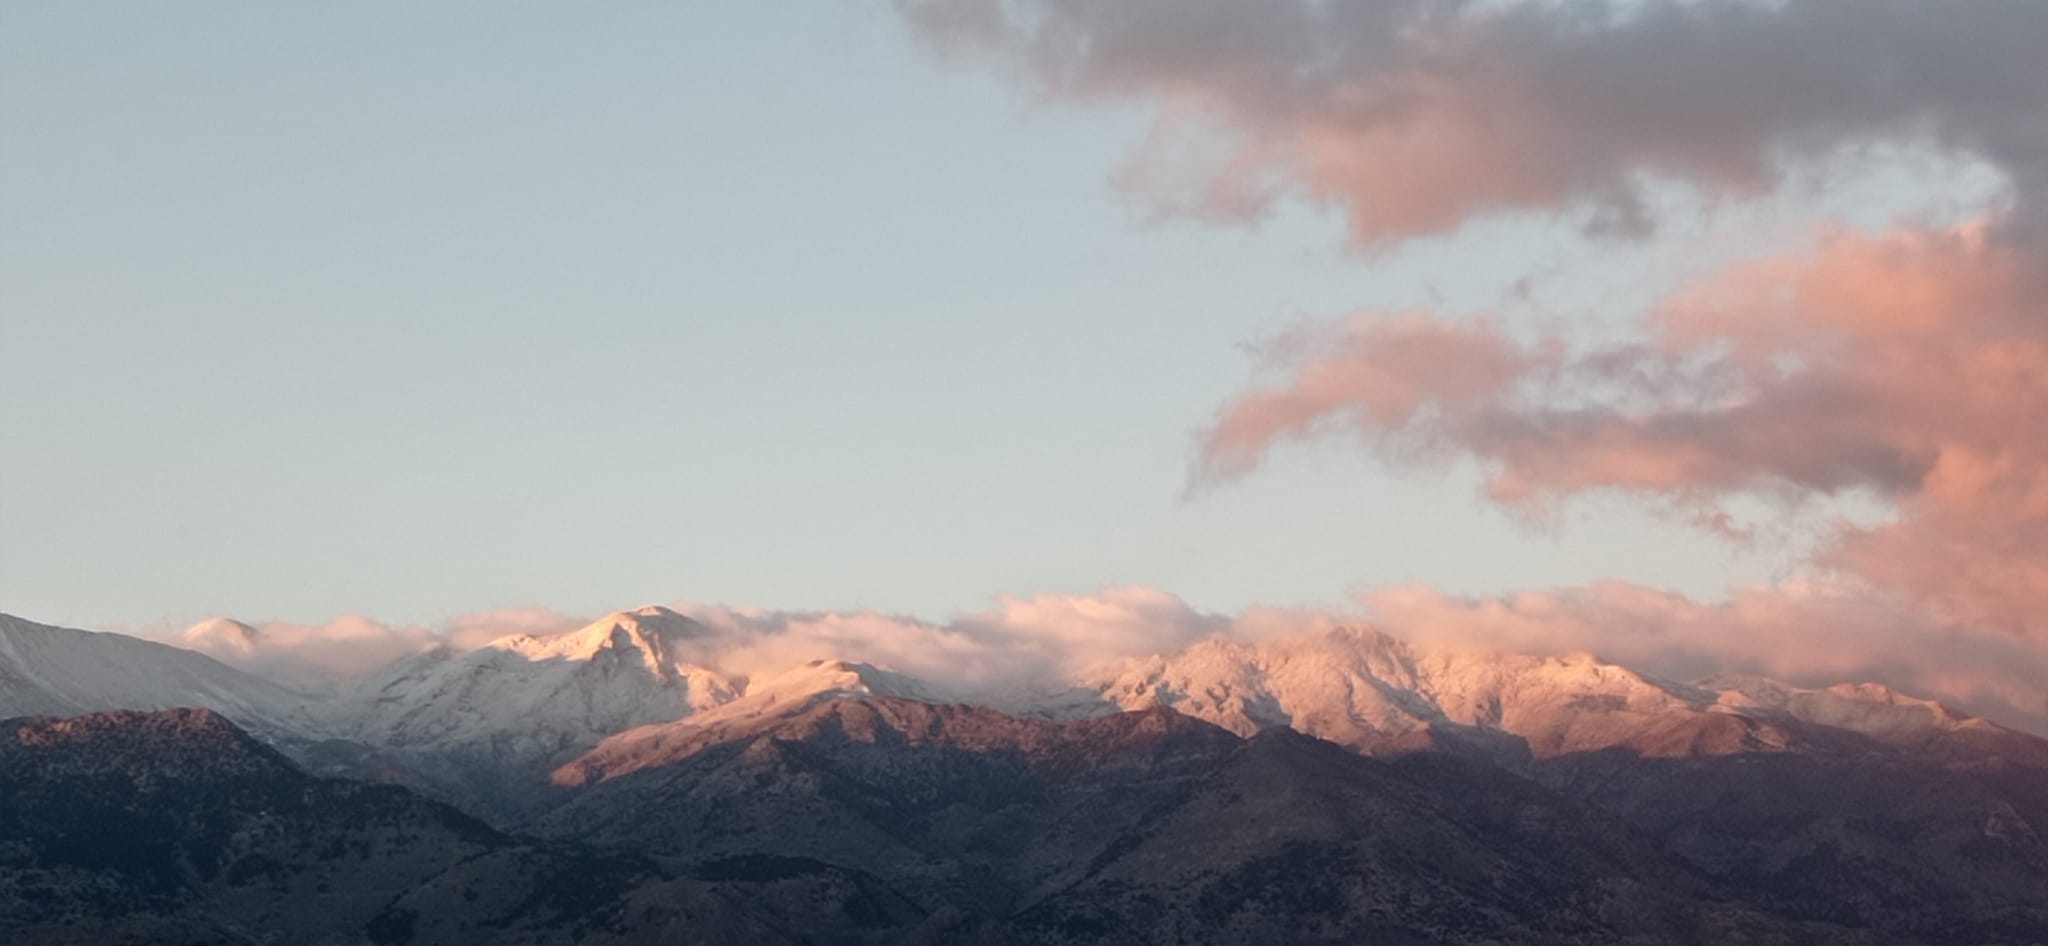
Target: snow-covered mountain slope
56, 671
764, 702
619, 695
638, 687
533, 699
1866, 708
1377, 694
1932, 730
811, 683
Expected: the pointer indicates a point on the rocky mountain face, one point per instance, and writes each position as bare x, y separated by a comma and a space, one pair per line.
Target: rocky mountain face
1337, 787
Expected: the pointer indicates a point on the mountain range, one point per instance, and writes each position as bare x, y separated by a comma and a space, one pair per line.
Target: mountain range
615, 784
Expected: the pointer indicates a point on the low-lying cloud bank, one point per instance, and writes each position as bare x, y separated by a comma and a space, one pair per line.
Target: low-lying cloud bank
347, 648
1811, 634
1808, 634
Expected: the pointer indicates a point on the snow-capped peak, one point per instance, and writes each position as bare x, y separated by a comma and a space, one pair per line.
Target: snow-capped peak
650, 631
221, 635
528, 696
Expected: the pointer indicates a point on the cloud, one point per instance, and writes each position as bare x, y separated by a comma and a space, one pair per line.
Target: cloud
1380, 374
1022, 639
750, 641
309, 656
471, 629
1911, 366
1809, 633
322, 656
1414, 116
1070, 632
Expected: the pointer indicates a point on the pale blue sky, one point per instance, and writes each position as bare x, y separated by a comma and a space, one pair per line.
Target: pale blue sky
410, 310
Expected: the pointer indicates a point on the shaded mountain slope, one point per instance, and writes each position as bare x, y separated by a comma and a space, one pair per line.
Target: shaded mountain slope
1928, 853
176, 826
59, 671
955, 804
857, 818
1154, 827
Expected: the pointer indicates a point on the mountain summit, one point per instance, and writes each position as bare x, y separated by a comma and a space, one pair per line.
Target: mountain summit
524, 701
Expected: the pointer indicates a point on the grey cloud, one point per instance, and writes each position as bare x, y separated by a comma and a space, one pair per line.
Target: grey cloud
1415, 116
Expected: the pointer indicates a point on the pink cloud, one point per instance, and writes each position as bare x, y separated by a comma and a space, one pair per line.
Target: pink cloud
1911, 366
750, 641
1809, 633
1021, 639
1379, 374
311, 656
333, 652
475, 628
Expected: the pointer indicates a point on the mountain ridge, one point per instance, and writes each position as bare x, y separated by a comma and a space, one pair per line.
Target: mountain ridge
537, 702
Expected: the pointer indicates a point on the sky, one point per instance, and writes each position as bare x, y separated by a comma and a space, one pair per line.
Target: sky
1699, 333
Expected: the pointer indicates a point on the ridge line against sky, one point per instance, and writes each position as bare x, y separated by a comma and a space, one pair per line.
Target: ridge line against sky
1810, 635
1828, 439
